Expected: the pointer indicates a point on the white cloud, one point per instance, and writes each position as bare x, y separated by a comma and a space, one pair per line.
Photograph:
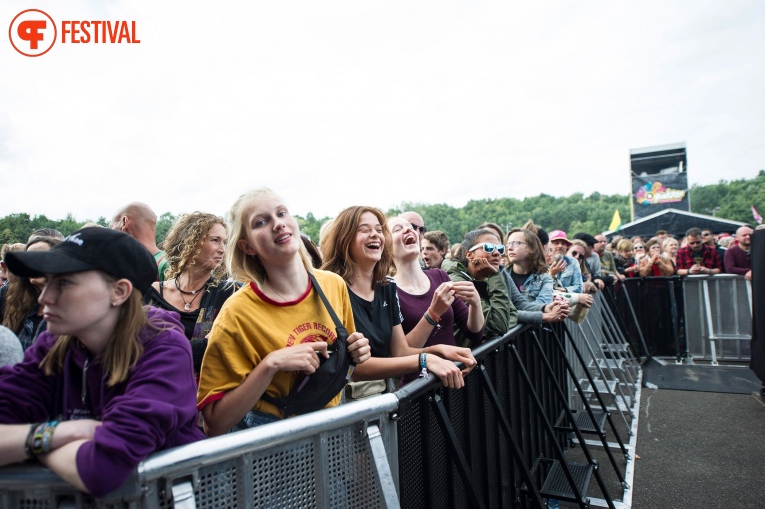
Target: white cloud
340, 103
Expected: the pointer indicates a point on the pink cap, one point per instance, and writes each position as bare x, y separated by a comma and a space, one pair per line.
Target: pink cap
559, 235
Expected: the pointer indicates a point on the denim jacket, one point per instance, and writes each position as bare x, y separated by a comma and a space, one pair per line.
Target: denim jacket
571, 277
538, 288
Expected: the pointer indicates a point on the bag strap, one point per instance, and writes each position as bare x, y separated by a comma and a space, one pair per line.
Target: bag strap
323, 297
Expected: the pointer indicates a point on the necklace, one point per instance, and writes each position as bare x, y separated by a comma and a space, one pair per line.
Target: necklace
277, 293
195, 293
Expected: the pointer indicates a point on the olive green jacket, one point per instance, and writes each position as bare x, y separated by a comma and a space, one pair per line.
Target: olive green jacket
498, 311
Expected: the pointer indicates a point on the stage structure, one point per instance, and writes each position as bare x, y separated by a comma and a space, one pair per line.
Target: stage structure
659, 179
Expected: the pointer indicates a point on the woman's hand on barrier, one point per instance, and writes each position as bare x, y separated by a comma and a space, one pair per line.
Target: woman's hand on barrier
585, 300
446, 371
358, 347
480, 268
303, 357
466, 292
69, 431
455, 354
442, 299
554, 312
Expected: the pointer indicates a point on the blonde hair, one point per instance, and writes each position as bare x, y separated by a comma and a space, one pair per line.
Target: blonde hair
624, 245
123, 350
241, 266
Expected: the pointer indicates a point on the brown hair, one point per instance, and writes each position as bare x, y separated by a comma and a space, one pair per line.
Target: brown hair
438, 239
537, 262
123, 350
21, 295
336, 246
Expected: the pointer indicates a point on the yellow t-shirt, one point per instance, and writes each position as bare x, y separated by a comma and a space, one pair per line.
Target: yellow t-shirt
250, 326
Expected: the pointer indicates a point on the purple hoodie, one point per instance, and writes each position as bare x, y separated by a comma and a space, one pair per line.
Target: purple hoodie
154, 409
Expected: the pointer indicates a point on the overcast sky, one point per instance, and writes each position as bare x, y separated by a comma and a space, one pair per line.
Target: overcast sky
343, 103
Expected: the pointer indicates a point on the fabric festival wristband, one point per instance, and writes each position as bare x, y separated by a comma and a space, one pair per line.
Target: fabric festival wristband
47, 436
28, 442
436, 318
430, 320
37, 439
423, 365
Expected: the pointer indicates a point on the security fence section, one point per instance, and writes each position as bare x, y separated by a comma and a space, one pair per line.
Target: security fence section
718, 317
706, 318
549, 413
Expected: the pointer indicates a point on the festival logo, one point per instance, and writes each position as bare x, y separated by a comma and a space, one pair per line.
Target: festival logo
654, 193
33, 32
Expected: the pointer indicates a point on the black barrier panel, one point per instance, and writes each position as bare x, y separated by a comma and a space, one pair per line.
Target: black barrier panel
452, 449
658, 305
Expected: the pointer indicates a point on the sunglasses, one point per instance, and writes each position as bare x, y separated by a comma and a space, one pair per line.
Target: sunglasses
489, 247
577, 255
418, 227
639, 247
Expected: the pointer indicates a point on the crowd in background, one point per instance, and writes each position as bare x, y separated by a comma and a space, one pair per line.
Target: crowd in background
241, 290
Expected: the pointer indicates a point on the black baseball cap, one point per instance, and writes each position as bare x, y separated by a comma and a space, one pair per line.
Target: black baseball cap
93, 248
587, 238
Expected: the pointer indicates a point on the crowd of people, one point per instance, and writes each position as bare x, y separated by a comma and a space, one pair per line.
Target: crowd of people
114, 347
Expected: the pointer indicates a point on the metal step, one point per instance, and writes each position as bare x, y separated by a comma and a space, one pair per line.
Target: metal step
601, 386
623, 404
556, 483
607, 363
583, 422
731, 336
612, 347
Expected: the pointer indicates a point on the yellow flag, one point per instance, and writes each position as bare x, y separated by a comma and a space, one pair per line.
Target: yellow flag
616, 222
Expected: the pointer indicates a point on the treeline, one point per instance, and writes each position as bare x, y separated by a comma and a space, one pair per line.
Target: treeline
592, 213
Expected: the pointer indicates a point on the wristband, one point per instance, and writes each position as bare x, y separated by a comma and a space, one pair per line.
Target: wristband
47, 435
423, 365
37, 439
436, 318
28, 442
430, 320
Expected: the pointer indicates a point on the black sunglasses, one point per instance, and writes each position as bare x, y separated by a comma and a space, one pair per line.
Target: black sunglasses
418, 227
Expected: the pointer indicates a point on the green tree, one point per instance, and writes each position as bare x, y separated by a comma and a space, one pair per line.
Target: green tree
164, 223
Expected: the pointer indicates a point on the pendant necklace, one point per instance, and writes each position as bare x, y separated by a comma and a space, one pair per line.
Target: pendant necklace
195, 293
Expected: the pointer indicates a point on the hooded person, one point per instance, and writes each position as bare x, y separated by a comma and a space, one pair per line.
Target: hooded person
109, 382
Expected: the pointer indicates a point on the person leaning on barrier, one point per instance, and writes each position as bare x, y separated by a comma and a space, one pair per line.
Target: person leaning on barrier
276, 325
479, 264
570, 278
359, 249
607, 263
458, 301
655, 263
625, 261
738, 257
110, 381
710, 239
696, 257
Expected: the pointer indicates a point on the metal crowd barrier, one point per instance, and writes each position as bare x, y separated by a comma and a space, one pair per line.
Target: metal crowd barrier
421, 446
693, 317
718, 317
